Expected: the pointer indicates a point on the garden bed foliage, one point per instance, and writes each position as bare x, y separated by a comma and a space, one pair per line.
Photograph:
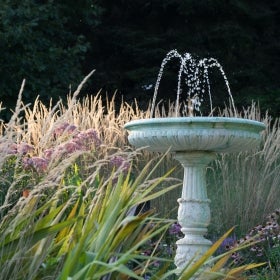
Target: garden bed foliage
74, 194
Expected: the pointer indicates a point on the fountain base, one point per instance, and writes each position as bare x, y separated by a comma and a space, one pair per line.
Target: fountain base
194, 210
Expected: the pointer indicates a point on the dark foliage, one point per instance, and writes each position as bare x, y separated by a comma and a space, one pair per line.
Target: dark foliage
42, 43
54, 43
244, 36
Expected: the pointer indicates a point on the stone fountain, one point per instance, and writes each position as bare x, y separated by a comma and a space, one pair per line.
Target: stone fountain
195, 141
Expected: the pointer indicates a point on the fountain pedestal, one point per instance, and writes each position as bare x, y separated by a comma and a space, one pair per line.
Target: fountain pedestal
194, 210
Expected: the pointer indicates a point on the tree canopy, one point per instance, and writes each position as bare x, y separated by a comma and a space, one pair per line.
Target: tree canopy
55, 43
40, 41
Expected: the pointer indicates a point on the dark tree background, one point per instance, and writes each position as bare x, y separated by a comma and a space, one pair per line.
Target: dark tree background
54, 44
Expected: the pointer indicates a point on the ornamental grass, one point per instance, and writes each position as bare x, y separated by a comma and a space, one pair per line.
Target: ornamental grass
74, 196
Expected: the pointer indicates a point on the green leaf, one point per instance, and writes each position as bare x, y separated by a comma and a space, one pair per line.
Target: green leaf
11, 246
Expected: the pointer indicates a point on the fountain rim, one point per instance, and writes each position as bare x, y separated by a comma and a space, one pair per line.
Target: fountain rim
208, 121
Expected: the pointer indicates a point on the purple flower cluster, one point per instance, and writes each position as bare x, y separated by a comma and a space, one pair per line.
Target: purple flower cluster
24, 148
39, 164
63, 129
155, 248
175, 229
81, 141
227, 244
266, 236
13, 148
75, 141
120, 163
86, 139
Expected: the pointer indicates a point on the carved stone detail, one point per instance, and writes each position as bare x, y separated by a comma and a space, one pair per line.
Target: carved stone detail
194, 210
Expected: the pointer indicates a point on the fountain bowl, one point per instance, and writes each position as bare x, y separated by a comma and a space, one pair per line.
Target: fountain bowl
176, 134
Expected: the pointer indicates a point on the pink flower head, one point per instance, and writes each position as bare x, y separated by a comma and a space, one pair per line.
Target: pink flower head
48, 153
64, 128
175, 229
27, 163
70, 147
10, 149
38, 163
121, 163
87, 138
65, 148
24, 148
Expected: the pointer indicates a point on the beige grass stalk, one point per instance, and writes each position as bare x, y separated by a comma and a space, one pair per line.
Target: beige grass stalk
11, 133
87, 113
246, 185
